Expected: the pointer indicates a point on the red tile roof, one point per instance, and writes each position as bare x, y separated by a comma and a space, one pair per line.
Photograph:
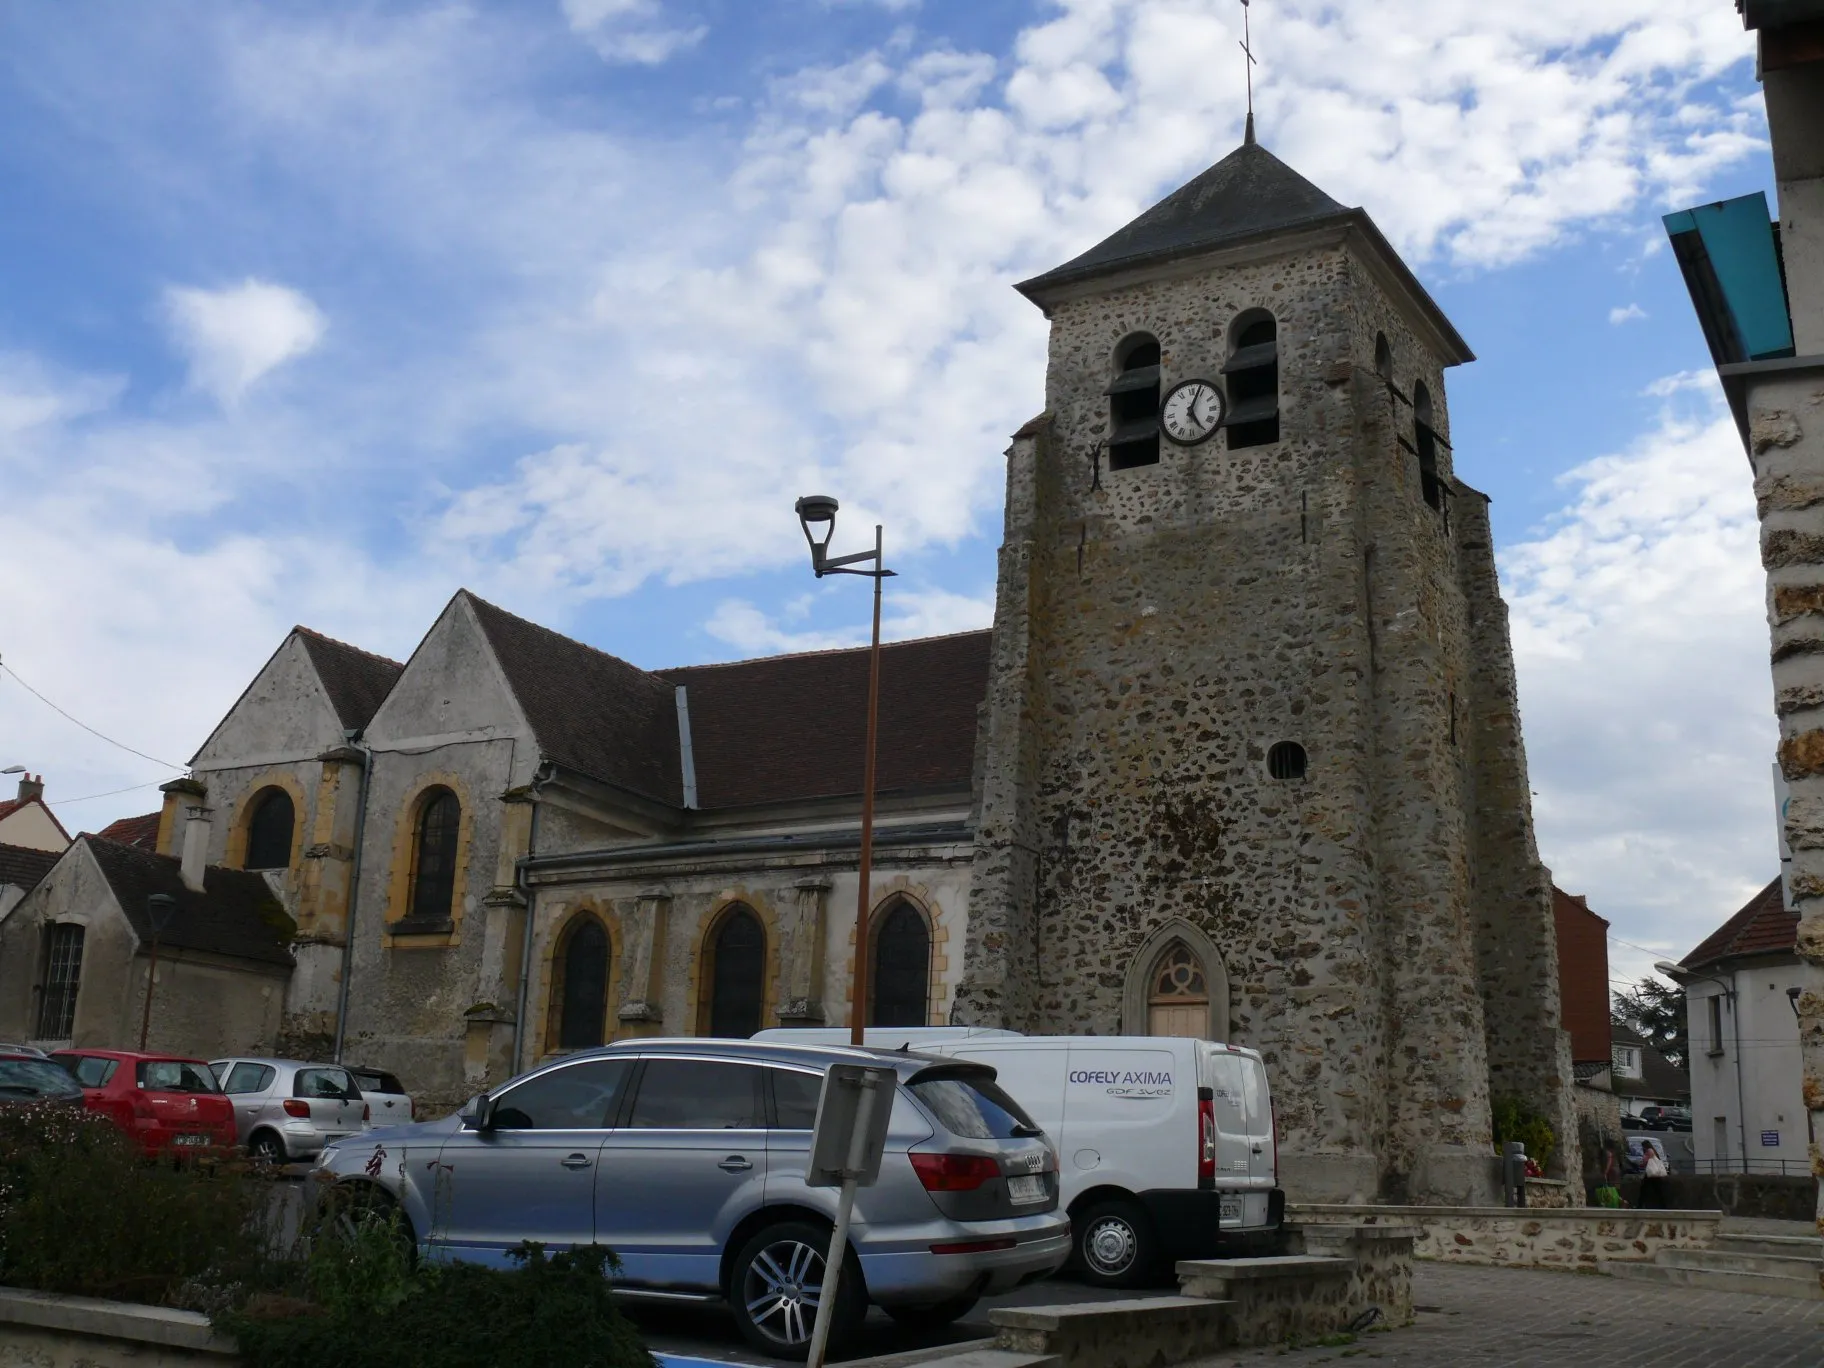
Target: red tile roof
139, 832
1764, 926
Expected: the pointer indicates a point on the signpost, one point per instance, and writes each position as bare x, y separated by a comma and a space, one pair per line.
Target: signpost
852, 1115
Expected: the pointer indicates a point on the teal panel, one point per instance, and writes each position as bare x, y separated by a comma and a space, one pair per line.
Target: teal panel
1738, 238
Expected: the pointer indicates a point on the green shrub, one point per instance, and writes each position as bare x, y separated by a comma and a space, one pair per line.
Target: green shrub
1516, 1119
553, 1311
83, 1212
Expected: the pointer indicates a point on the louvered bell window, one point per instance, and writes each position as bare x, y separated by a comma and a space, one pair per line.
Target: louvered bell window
1252, 373
1133, 408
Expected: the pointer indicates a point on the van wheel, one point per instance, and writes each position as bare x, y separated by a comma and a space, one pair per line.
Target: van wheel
774, 1289
1116, 1246
929, 1319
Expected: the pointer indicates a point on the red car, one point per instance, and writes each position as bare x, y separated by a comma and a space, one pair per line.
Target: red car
167, 1104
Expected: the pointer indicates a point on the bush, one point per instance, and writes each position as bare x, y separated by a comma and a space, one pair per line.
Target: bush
1516, 1119
83, 1212
366, 1307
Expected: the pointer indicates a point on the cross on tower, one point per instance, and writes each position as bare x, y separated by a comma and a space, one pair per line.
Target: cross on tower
1247, 48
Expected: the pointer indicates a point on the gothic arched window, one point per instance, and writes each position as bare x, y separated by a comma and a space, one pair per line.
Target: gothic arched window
1425, 441
737, 974
434, 857
900, 985
582, 984
269, 831
1133, 406
1178, 994
1253, 374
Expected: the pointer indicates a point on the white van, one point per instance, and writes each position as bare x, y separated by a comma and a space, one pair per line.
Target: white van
1166, 1146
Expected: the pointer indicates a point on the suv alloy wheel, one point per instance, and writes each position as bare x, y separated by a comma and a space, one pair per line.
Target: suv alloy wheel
775, 1286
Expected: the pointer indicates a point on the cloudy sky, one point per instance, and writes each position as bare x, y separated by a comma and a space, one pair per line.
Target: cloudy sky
313, 312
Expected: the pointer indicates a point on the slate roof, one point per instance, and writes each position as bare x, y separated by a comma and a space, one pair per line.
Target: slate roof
24, 866
591, 712
1764, 926
1247, 194
356, 681
141, 832
236, 914
795, 726
11, 805
1660, 1077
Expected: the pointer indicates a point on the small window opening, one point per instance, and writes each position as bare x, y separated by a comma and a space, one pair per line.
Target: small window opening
1453, 719
1133, 407
1383, 358
1253, 376
1286, 760
1426, 441
269, 831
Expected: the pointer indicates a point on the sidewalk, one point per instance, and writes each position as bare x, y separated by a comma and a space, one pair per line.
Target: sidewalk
1479, 1317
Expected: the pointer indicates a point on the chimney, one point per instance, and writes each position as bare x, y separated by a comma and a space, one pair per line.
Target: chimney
196, 847
31, 786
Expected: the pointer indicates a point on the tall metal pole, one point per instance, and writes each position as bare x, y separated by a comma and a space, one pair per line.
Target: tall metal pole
145, 1016
858, 1011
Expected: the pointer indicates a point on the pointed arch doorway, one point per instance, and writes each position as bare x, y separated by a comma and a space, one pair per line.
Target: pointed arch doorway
1177, 985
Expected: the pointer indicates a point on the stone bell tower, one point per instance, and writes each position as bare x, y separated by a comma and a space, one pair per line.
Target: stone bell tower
1250, 764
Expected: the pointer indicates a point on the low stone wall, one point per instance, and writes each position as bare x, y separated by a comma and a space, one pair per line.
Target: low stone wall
43, 1330
1761, 1195
1578, 1237
1382, 1254
1553, 1194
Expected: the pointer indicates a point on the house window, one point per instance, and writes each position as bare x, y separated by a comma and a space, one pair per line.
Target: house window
62, 978
269, 831
1625, 1060
1133, 406
434, 858
737, 971
901, 983
1286, 760
1253, 376
1425, 441
582, 978
1714, 1005
1178, 1000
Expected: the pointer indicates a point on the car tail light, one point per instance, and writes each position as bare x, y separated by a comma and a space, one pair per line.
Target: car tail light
954, 1172
367, 1112
1273, 1116
296, 1107
1206, 1135
973, 1246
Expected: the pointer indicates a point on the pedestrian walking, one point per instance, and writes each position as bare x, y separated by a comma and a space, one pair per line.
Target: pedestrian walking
1608, 1182
1653, 1178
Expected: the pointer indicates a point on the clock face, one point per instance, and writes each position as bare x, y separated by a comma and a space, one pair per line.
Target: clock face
1192, 412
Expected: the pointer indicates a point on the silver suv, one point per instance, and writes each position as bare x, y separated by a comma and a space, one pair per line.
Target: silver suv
286, 1109
687, 1159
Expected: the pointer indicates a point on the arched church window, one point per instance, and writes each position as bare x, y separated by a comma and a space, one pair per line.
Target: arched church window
1425, 441
582, 984
1178, 1000
1383, 358
269, 831
434, 857
1133, 406
1253, 377
901, 982
737, 972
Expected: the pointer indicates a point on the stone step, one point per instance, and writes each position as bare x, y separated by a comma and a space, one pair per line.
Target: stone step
1741, 1261
1134, 1333
1707, 1280
1794, 1246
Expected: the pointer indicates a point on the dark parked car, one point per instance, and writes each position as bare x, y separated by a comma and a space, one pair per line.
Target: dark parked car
32, 1078
1665, 1118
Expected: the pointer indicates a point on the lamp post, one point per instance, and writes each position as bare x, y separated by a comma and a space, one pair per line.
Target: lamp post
817, 514
1678, 974
159, 910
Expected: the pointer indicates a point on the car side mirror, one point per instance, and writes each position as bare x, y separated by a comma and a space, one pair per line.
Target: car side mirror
477, 1113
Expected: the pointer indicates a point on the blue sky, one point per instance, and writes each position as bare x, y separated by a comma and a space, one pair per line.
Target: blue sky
315, 312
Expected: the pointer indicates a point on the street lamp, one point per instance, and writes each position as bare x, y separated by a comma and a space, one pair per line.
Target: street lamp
1678, 974
817, 516
13, 769
160, 908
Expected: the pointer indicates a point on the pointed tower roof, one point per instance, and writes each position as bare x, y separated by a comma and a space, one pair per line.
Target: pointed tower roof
1248, 196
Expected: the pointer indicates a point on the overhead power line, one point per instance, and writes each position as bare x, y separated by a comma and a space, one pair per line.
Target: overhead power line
120, 745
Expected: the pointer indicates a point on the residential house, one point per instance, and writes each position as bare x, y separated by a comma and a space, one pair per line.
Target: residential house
25, 820
1583, 996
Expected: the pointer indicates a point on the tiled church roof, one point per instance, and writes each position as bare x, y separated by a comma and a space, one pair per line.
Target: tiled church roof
139, 832
236, 914
24, 866
795, 727
356, 681
1764, 926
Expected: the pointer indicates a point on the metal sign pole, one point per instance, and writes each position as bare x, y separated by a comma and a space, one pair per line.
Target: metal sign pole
857, 1166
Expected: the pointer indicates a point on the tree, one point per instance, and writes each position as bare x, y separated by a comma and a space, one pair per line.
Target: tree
1656, 1012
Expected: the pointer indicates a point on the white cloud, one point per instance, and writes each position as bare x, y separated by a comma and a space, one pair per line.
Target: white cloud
632, 32
1641, 642
1626, 314
236, 335
905, 614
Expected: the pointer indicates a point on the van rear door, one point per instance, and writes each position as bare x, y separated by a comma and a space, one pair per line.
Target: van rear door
1263, 1154
1233, 1142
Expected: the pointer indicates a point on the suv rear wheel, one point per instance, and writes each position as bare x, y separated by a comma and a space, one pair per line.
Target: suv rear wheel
1116, 1246
775, 1285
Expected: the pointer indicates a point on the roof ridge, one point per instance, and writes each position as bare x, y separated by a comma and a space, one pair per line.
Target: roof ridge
313, 633
552, 631
826, 651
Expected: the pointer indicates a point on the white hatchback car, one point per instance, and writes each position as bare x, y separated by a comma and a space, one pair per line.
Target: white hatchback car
288, 1109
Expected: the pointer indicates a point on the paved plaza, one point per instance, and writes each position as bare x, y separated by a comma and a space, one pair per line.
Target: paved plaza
1470, 1317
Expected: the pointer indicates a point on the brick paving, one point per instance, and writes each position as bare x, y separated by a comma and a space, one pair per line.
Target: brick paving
1478, 1317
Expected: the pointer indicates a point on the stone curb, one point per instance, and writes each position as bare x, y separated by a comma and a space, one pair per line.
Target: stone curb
92, 1316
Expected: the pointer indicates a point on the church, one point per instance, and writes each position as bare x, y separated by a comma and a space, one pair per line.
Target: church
1240, 757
